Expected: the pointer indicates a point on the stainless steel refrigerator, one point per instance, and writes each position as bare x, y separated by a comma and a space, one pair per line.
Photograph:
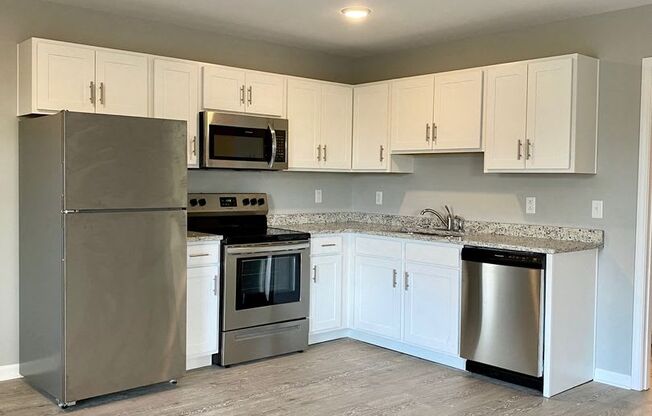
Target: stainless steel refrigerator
102, 253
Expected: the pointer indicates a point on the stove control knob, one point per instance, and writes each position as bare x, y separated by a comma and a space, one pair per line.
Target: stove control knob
261, 201
245, 202
193, 202
254, 201
202, 202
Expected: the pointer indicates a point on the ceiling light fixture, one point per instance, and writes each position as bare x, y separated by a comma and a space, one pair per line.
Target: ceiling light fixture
356, 12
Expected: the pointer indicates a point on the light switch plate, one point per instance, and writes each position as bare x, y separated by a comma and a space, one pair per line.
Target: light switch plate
318, 198
597, 209
530, 205
379, 197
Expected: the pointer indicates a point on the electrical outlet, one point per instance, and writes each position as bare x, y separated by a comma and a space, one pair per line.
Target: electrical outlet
530, 205
597, 208
379, 197
318, 198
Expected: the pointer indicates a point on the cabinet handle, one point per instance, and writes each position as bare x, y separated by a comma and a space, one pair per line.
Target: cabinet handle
434, 133
428, 132
102, 101
319, 153
329, 245
394, 274
242, 95
200, 255
528, 149
194, 145
314, 274
250, 94
519, 150
324, 153
381, 153
407, 281
215, 285
92, 98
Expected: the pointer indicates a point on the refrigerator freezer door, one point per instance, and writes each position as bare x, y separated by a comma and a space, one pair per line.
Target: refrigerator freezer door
125, 290
116, 162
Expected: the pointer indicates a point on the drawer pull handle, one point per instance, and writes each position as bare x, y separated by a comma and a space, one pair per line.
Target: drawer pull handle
200, 255
329, 245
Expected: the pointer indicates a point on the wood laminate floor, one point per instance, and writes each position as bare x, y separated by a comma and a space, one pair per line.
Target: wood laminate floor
341, 377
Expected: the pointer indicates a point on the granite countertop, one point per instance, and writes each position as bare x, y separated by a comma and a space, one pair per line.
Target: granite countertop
197, 236
489, 240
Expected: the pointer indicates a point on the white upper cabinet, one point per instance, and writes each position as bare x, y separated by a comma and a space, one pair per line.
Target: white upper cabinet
411, 114
122, 84
541, 116
65, 78
224, 88
176, 87
239, 90
326, 293
304, 114
320, 125
457, 119
336, 126
371, 127
505, 115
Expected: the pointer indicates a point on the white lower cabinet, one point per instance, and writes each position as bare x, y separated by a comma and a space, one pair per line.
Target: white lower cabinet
326, 293
377, 296
202, 313
431, 307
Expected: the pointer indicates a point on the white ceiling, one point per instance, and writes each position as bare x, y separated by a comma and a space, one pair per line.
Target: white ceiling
392, 25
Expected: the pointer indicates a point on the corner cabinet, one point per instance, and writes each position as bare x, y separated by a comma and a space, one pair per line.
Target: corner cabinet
320, 125
541, 116
202, 316
55, 76
239, 90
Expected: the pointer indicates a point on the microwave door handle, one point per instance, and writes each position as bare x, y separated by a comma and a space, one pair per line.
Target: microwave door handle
273, 157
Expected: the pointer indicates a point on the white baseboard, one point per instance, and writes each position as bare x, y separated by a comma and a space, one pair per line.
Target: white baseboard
612, 378
8, 372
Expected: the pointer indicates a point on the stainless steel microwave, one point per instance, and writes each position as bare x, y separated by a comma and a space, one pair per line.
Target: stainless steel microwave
233, 141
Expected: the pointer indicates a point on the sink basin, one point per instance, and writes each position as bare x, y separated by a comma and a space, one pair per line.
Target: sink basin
439, 233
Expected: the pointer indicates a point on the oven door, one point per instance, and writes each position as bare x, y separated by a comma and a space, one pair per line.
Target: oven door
264, 284
243, 142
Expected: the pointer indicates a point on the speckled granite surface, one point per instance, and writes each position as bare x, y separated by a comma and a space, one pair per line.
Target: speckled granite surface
524, 237
196, 236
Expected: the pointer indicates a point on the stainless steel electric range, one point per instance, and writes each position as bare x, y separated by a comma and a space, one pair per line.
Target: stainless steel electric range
265, 277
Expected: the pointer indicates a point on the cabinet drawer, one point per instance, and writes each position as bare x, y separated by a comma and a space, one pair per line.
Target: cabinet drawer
378, 247
203, 254
326, 245
432, 254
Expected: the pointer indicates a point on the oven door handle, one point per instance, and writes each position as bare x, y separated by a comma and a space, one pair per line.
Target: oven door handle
267, 249
273, 133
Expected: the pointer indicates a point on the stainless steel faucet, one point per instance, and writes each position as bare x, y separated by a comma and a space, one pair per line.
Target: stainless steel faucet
449, 220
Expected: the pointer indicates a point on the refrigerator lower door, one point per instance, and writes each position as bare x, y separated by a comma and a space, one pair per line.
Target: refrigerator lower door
117, 162
125, 300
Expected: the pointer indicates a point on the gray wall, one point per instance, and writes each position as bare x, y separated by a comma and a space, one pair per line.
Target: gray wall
21, 19
620, 40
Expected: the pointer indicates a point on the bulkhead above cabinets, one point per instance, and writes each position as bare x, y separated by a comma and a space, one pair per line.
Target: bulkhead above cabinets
537, 116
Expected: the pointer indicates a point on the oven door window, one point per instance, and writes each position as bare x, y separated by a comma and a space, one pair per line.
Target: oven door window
239, 143
268, 280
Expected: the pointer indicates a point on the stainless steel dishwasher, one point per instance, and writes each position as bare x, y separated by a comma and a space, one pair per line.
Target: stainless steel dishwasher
502, 314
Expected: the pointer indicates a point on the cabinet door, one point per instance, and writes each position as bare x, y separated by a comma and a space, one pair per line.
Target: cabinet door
458, 111
411, 114
378, 296
175, 97
122, 82
223, 89
506, 117
550, 95
65, 77
304, 110
326, 293
202, 311
265, 94
336, 126
371, 127
431, 311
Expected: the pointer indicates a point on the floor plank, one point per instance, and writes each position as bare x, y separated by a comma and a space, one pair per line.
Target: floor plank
343, 377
